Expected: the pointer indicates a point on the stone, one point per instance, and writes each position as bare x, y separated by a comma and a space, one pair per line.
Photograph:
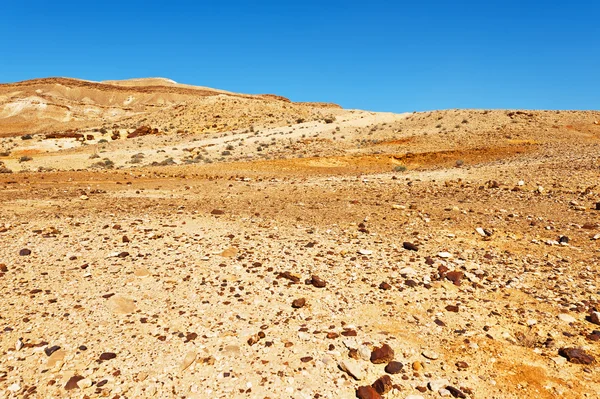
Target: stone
481, 232
576, 355
383, 385
72, 383
317, 282
414, 397
595, 317
56, 358
394, 367
444, 255
299, 303
121, 305
25, 252
107, 356
189, 358
367, 392
430, 355
364, 353
385, 286
353, 368
567, 318
455, 276
436, 385
384, 354
365, 252
457, 393
51, 349
410, 246
141, 272
217, 212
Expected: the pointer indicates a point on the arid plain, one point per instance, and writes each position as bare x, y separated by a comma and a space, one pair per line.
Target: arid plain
171, 241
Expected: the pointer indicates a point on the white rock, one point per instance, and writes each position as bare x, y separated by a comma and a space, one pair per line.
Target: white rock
430, 355
445, 255
414, 397
408, 271
596, 237
365, 252
567, 318
444, 392
353, 368
595, 317
480, 231
14, 387
19, 345
364, 353
436, 385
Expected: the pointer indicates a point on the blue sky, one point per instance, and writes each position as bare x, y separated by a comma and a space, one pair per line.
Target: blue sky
377, 55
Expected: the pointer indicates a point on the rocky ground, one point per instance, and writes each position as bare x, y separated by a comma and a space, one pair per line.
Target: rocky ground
402, 260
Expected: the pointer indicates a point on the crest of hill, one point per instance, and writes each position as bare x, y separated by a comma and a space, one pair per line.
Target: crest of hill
57, 103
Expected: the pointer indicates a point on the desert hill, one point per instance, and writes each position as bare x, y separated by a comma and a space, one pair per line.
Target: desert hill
52, 105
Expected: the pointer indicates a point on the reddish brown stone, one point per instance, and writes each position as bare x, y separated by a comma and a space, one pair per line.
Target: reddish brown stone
318, 282
455, 277
299, 303
383, 385
367, 393
393, 367
385, 354
576, 355
72, 383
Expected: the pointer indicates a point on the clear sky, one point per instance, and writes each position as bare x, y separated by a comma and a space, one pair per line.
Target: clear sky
377, 55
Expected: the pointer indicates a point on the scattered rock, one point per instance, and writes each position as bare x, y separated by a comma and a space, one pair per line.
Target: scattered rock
567, 318
394, 367
299, 303
383, 385
410, 246
576, 355
72, 383
318, 282
436, 385
107, 356
367, 392
353, 368
384, 354
430, 355
457, 393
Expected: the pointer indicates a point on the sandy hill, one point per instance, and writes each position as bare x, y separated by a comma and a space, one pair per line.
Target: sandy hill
59, 104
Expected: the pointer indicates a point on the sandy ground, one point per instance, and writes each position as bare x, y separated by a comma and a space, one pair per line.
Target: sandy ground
280, 269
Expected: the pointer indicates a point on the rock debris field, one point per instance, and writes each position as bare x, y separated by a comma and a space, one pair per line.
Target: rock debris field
471, 272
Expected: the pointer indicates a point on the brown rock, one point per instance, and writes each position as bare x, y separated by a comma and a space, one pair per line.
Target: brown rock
3, 268
107, 356
385, 354
457, 393
385, 286
576, 355
217, 212
367, 393
393, 367
455, 277
317, 282
410, 246
72, 383
452, 308
383, 385
299, 303
25, 252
